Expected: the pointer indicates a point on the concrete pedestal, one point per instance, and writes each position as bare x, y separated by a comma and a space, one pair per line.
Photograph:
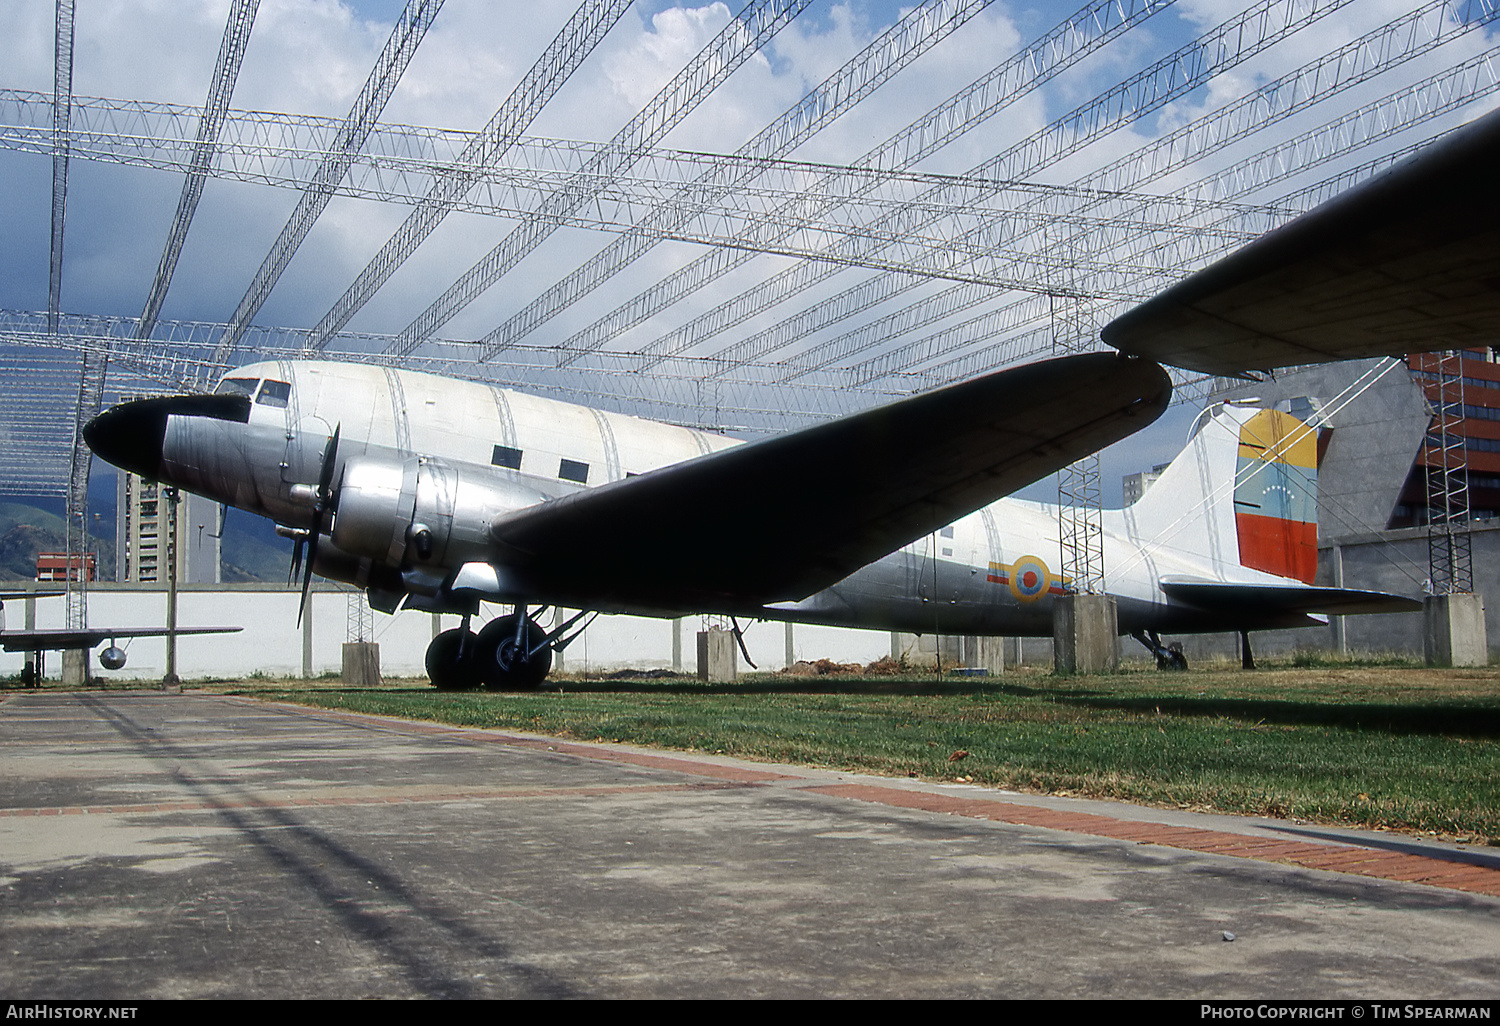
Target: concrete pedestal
1085, 634
986, 654
75, 668
361, 662
718, 656
1453, 631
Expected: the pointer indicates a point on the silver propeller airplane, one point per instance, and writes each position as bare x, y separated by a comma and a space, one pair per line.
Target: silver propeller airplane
438, 494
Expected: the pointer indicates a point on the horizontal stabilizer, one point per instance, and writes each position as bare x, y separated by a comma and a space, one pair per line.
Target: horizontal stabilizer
1258, 599
1406, 262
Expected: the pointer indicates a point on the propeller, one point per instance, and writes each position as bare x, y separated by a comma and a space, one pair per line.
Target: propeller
322, 503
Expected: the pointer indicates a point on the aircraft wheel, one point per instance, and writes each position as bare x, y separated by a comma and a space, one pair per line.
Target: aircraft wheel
446, 670
502, 663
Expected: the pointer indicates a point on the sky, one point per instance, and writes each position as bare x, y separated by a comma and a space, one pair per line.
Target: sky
312, 57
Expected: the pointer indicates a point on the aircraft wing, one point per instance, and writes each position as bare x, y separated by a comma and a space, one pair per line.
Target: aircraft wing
1406, 262
781, 518
62, 638
1229, 598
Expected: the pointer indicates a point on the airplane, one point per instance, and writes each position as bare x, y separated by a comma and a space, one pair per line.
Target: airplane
34, 642
437, 494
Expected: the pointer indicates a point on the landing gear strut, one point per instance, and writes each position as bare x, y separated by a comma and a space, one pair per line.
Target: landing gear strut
1168, 657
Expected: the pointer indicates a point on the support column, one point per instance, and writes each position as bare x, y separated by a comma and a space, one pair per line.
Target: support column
32, 671
1453, 630
717, 655
307, 648
1085, 634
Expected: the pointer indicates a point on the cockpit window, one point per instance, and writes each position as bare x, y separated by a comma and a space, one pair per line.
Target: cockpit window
237, 386
274, 393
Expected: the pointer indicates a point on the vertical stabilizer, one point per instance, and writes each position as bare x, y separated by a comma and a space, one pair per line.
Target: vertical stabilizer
1242, 494
1276, 496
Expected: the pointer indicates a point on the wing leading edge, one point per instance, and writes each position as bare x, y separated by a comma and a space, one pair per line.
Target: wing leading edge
782, 518
1406, 262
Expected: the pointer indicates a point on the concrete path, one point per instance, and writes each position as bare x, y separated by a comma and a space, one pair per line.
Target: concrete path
158, 846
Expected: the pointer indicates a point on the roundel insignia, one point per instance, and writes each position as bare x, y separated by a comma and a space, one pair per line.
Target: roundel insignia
1029, 578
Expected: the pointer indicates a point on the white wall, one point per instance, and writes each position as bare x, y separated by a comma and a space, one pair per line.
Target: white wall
272, 643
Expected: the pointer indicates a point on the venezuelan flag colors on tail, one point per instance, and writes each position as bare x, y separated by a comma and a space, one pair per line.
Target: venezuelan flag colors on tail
1276, 496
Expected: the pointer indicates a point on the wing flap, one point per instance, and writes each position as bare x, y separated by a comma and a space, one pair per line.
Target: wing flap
1406, 262
781, 518
1260, 599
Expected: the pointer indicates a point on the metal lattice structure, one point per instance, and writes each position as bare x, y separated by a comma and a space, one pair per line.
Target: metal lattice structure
857, 246
1450, 557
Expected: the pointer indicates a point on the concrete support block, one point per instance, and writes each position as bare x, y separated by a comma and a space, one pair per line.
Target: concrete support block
361, 662
922, 651
1085, 634
1453, 630
75, 668
986, 654
718, 656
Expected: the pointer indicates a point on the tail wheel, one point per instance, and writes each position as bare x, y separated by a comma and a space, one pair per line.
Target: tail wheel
450, 661
505, 665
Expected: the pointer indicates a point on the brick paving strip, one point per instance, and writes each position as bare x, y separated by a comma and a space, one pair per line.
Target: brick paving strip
1341, 858
1347, 857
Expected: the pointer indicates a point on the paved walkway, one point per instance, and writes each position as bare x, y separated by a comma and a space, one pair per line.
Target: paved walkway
157, 845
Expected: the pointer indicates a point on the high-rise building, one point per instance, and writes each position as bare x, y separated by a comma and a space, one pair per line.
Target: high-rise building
1133, 486
143, 534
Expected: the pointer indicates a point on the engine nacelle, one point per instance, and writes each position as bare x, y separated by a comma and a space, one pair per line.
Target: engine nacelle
374, 510
421, 511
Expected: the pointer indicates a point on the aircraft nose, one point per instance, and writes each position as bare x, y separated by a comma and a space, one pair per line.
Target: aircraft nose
131, 435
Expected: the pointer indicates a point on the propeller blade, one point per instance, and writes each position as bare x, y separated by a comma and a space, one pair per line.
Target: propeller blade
307, 575
296, 560
330, 461
323, 505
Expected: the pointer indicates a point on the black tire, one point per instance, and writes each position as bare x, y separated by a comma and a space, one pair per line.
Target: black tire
446, 670
501, 663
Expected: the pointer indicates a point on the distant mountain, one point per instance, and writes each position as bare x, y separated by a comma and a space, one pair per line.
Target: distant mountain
251, 549
26, 530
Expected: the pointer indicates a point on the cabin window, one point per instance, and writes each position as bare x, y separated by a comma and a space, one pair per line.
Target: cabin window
572, 470
946, 532
505, 456
237, 386
274, 393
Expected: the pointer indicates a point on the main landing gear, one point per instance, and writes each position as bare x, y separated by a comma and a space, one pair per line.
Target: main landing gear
1168, 657
510, 653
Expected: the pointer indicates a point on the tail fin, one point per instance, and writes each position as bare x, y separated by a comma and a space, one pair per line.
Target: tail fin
1276, 496
1243, 493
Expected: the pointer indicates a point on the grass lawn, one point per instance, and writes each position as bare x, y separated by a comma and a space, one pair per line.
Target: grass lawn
1392, 747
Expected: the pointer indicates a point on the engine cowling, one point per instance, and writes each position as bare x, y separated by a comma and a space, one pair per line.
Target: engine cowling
421, 511
374, 509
